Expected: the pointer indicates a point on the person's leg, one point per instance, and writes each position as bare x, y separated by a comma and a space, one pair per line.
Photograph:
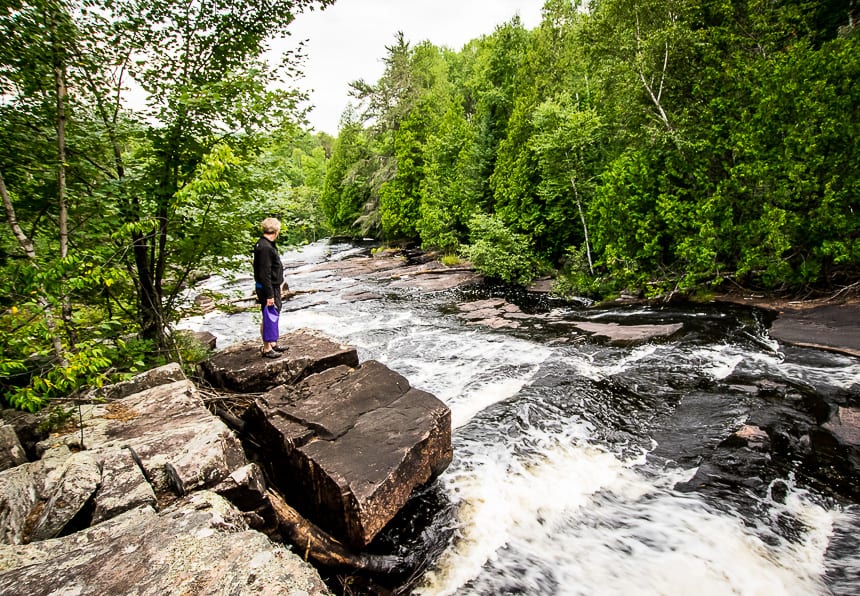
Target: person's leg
267, 349
274, 344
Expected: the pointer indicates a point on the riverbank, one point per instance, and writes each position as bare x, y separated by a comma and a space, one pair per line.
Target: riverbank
825, 323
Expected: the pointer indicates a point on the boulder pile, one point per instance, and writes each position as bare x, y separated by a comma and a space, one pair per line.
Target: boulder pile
147, 492
350, 442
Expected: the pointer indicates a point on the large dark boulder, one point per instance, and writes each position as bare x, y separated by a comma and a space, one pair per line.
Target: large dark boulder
240, 367
349, 445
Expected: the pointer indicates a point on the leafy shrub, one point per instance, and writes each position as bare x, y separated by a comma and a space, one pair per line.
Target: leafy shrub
497, 252
575, 278
450, 260
85, 367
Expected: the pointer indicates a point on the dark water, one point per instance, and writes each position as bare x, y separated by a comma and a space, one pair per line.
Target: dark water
568, 450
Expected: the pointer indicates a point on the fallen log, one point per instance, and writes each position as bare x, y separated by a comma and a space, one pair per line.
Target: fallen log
313, 543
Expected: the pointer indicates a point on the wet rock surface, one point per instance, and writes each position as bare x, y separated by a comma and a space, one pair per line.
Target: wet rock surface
629, 334
765, 433
828, 327
495, 313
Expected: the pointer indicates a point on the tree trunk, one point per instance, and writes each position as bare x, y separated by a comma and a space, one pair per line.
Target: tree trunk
60, 83
311, 542
584, 225
27, 246
656, 97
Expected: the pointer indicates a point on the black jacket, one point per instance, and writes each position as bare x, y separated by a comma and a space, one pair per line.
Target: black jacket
268, 271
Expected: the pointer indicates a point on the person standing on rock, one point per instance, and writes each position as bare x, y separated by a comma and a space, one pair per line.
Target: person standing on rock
268, 278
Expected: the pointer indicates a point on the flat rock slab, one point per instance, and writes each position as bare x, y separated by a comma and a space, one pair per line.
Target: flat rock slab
629, 333
198, 545
845, 424
835, 328
393, 268
434, 277
240, 368
351, 444
496, 313
360, 266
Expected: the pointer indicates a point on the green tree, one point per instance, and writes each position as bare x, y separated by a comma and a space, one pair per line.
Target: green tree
199, 62
113, 212
348, 185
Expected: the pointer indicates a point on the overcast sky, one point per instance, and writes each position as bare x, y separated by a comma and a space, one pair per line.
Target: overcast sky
347, 41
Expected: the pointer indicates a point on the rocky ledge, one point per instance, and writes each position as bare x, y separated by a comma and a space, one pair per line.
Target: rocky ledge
150, 493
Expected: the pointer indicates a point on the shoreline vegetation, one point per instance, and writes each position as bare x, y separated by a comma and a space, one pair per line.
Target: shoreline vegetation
653, 150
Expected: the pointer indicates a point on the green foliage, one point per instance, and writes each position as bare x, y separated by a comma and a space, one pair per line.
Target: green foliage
346, 188
191, 351
576, 279
149, 198
679, 144
56, 417
498, 252
85, 368
450, 260
650, 146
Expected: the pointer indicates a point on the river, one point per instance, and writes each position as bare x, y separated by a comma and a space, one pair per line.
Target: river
568, 450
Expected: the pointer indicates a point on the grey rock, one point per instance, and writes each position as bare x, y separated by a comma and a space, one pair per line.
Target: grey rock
146, 380
627, 334
845, 424
38, 499
11, 452
123, 487
155, 444
27, 427
199, 545
830, 327
245, 488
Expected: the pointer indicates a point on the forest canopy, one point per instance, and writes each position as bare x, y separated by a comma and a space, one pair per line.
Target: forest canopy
634, 144
623, 145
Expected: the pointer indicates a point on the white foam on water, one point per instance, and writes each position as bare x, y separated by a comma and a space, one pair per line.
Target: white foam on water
470, 403
577, 520
846, 376
637, 354
719, 361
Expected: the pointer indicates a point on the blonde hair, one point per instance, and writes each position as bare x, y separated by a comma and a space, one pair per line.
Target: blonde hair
271, 225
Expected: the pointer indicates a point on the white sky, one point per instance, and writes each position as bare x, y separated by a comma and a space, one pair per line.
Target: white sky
346, 41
